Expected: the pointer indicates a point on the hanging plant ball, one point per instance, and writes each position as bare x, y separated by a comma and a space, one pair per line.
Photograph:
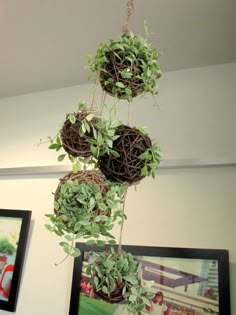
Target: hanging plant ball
127, 67
76, 132
115, 277
73, 198
137, 156
85, 205
119, 266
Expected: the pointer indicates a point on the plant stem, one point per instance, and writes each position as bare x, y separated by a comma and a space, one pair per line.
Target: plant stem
122, 225
71, 247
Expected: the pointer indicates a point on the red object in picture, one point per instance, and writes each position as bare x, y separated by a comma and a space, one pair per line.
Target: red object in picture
5, 281
3, 261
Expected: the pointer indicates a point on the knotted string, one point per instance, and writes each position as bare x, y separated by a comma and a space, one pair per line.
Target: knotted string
129, 13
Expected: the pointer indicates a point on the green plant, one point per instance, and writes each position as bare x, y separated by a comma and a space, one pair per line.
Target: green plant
117, 276
85, 136
86, 210
151, 157
6, 246
103, 137
127, 67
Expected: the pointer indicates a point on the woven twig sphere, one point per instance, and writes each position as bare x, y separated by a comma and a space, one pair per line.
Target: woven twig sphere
72, 142
127, 167
93, 177
113, 70
115, 297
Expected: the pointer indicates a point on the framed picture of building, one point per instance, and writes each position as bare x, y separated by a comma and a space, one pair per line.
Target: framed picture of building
186, 281
14, 228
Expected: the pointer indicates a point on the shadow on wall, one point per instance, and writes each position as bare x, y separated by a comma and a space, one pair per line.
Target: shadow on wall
232, 279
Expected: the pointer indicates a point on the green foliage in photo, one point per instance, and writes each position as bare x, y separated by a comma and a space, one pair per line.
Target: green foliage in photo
6, 246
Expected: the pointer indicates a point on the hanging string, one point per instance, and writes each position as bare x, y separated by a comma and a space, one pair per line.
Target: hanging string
129, 13
128, 118
94, 91
122, 225
103, 99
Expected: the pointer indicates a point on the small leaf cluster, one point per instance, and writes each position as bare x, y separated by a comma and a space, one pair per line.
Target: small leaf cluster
82, 211
151, 157
110, 269
6, 246
56, 142
101, 136
139, 60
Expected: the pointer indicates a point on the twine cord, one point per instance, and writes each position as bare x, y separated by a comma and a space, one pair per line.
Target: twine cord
128, 118
129, 13
122, 225
94, 90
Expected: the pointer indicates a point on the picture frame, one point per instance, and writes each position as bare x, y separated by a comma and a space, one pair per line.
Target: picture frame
192, 280
14, 229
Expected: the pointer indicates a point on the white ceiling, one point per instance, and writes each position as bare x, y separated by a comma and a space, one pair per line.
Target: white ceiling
43, 42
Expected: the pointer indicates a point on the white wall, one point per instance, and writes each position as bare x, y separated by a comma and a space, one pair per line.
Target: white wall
185, 208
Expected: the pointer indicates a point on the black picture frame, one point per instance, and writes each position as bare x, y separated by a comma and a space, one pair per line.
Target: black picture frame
211, 257
14, 229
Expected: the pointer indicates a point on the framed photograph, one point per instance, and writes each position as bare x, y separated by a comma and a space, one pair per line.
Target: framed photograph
186, 281
14, 228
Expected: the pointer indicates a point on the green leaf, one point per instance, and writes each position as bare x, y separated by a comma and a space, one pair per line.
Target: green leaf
61, 157
99, 139
90, 242
63, 244
83, 127
131, 279
126, 75
48, 227
72, 118
76, 252
104, 289
78, 235
128, 91
120, 84
76, 167
144, 155
58, 140
101, 218
53, 146
95, 281
117, 46
114, 153
94, 151
109, 143
84, 223
68, 238
102, 206
82, 105
112, 242
111, 203
101, 243
89, 116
